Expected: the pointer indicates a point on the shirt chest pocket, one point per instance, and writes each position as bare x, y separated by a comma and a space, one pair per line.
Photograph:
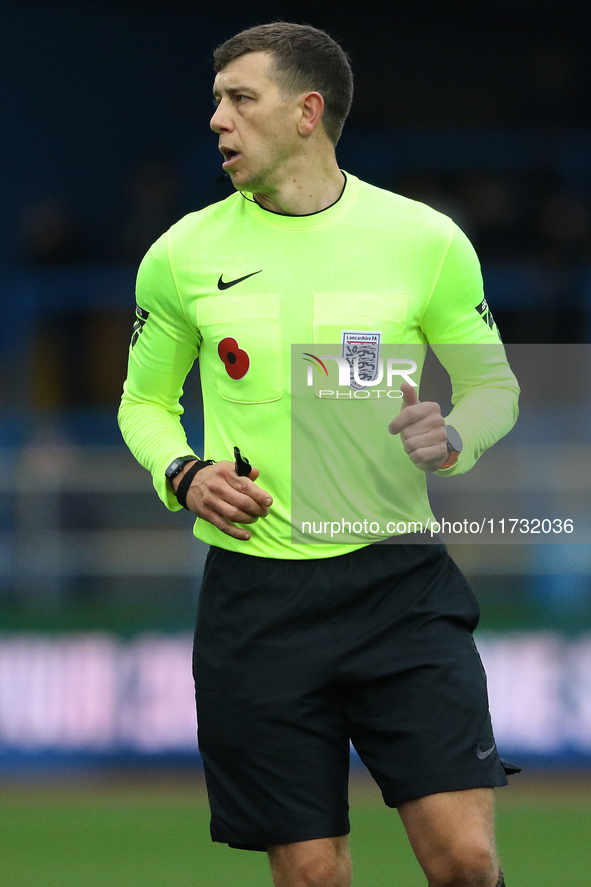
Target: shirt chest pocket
242, 347
335, 313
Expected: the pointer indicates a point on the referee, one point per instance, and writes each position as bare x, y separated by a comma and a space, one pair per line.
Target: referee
302, 648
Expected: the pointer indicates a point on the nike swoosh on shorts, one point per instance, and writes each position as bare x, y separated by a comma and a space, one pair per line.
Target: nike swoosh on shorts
484, 754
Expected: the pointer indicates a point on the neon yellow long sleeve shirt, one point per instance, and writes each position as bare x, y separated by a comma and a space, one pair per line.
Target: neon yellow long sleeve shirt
237, 286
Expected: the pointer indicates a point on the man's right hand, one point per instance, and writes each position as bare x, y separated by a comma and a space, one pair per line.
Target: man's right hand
219, 496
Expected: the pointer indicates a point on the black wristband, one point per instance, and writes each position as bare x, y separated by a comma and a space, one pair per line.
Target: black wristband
187, 479
176, 467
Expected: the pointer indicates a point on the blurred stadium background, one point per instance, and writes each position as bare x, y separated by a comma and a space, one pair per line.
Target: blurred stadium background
481, 110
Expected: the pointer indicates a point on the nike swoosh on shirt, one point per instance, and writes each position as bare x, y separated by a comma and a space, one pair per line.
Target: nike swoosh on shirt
484, 754
224, 285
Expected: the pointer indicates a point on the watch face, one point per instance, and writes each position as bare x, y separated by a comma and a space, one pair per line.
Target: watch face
454, 441
174, 467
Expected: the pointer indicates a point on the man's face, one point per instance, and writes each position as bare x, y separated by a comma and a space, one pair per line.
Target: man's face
256, 125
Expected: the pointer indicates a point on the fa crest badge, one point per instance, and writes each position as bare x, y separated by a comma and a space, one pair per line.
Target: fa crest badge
364, 348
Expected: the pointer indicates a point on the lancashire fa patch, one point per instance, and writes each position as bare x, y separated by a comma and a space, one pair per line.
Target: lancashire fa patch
362, 351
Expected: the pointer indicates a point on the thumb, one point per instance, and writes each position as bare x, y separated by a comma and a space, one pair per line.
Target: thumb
410, 394
410, 399
254, 474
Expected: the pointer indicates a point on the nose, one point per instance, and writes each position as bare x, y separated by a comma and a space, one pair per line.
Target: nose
220, 120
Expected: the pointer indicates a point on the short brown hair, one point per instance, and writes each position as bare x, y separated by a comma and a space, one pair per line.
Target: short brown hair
303, 58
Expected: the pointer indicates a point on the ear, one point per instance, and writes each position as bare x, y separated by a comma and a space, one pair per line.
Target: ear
312, 106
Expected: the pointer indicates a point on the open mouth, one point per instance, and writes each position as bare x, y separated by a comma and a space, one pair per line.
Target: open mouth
229, 156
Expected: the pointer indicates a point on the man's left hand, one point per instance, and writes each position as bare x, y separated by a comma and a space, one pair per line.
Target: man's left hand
422, 430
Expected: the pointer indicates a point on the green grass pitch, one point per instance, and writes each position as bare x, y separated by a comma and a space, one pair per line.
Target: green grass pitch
153, 832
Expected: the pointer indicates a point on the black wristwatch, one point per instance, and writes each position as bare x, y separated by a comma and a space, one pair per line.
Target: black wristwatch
175, 467
454, 441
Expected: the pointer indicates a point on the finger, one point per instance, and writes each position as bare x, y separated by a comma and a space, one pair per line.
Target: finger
217, 520
247, 487
213, 493
221, 478
432, 437
431, 428
422, 416
406, 416
221, 498
236, 498
428, 458
243, 513
409, 393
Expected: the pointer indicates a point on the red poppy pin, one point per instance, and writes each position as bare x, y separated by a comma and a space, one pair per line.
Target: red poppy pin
235, 359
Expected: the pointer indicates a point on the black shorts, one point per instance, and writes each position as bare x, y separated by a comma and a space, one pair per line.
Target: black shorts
294, 659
